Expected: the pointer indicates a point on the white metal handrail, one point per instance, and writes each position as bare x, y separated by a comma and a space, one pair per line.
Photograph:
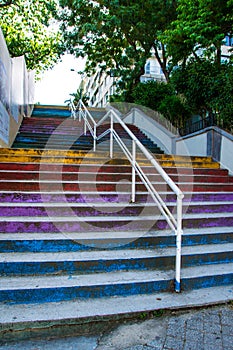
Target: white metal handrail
174, 223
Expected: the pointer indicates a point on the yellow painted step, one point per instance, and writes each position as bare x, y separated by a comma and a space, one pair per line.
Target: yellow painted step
22, 155
78, 153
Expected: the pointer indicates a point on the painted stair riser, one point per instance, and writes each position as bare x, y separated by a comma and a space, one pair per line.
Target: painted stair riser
64, 129
124, 198
88, 160
106, 177
34, 152
84, 267
102, 187
104, 168
67, 129
54, 294
165, 262
68, 226
80, 245
73, 145
207, 281
92, 210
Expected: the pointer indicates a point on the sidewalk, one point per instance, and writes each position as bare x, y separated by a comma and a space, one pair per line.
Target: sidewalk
209, 328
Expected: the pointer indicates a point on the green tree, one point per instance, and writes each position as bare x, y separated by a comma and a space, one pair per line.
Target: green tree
199, 29
207, 88
118, 34
151, 93
162, 97
26, 26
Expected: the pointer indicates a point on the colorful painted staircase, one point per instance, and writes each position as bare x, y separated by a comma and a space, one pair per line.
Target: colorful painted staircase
70, 234
54, 129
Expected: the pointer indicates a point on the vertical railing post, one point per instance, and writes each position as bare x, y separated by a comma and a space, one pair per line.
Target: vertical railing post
179, 233
111, 136
79, 110
133, 171
85, 123
94, 141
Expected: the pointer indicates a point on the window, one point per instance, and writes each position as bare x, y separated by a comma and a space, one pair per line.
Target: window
228, 40
147, 68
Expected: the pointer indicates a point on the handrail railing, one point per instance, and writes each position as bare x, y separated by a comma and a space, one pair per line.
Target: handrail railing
174, 223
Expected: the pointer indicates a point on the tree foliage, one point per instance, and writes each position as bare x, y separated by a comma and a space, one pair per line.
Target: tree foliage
199, 29
117, 34
186, 37
207, 87
26, 26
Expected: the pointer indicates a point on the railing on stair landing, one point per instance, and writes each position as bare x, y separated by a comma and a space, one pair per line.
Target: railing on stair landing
80, 111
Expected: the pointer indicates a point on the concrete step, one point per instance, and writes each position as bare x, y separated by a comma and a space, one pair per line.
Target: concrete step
74, 223
22, 321
106, 197
67, 153
78, 242
43, 184
68, 263
105, 176
106, 208
44, 289
107, 169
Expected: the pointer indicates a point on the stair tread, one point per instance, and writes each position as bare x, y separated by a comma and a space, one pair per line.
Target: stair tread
75, 218
103, 204
113, 278
110, 235
112, 255
20, 315
116, 277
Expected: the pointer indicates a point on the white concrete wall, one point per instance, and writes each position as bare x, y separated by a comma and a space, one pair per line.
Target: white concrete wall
16, 93
227, 153
194, 145
211, 141
155, 131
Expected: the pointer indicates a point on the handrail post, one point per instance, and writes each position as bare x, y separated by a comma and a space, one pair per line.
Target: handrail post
94, 141
179, 233
133, 171
85, 123
79, 112
111, 136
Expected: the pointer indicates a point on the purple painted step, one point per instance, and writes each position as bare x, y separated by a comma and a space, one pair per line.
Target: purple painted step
37, 197
95, 224
93, 210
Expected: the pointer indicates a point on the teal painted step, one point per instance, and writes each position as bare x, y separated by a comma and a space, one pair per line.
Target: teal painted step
55, 112
67, 263
37, 289
53, 242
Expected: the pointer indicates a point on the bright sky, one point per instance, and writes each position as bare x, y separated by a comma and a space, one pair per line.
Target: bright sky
56, 84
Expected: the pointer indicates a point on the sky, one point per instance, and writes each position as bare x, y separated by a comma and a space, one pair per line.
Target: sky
56, 84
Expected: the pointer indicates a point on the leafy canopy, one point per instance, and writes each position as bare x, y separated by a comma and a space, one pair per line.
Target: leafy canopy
200, 24
26, 26
117, 34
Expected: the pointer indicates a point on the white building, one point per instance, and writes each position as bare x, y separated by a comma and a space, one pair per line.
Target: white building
100, 86
153, 71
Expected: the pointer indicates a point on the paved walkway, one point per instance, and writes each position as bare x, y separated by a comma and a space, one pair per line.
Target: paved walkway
196, 329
